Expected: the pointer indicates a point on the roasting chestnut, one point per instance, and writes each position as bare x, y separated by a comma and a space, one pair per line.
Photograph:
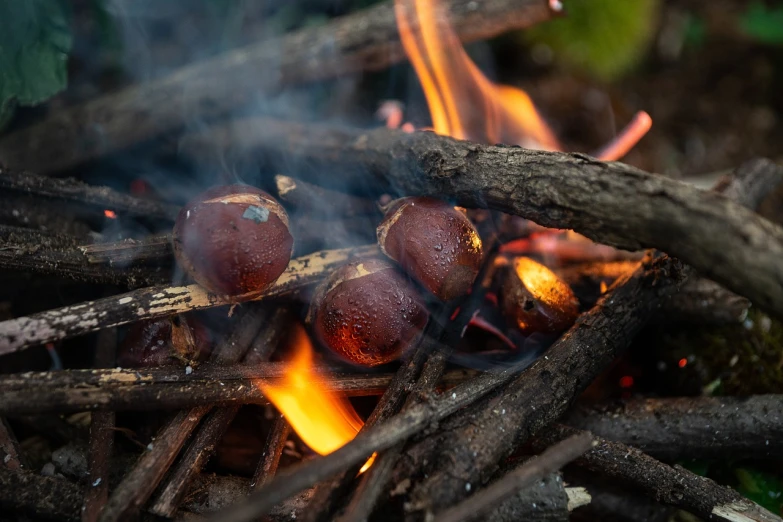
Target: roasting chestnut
165, 341
233, 240
534, 299
367, 312
433, 242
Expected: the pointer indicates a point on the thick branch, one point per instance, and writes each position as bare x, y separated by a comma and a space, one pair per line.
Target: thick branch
159, 301
366, 40
691, 427
611, 203
672, 485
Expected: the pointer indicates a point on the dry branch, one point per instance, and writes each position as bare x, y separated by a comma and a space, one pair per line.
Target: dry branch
468, 451
672, 485
150, 303
10, 454
551, 460
611, 203
87, 196
273, 449
690, 427
155, 249
365, 40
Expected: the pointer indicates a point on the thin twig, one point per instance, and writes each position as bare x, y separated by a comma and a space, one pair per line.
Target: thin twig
159, 301
156, 249
672, 485
10, 453
551, 460
273, 449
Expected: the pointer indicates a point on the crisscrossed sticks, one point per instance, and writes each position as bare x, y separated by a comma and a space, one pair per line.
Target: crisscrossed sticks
156, 301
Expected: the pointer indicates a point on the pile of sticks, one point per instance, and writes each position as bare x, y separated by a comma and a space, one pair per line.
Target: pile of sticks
444, 438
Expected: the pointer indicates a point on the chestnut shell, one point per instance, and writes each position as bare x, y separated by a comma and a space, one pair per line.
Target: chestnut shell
549, 309
367, 312
162, 342
233, 240
433, 242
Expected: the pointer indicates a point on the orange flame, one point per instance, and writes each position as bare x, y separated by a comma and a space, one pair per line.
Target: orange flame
323, 420
110, 214
463, 103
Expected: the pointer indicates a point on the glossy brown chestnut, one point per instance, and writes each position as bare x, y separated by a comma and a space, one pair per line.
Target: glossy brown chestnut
535, 299
172, 340
233, 240
367, 312
433, 242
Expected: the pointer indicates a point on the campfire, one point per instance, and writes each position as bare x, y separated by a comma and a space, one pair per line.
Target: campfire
424, 317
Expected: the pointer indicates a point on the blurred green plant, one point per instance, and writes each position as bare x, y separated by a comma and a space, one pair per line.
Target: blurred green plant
35, 40
761, 487
764, 23
604, 38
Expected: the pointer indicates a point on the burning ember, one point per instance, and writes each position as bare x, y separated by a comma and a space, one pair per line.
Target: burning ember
323, 420
110, 214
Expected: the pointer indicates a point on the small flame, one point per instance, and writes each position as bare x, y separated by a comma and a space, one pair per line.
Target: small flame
603, 287
324, 421
110, 214
463, 103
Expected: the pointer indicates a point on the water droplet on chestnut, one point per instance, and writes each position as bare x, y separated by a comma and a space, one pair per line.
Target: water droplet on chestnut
351, 292
433, 242
233, 240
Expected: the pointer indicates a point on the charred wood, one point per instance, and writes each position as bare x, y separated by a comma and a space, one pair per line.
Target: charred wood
689, 427
671, 485
273, 449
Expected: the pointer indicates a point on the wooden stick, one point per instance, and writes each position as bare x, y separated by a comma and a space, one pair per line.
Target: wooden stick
365, 40
10, 454
674, 486
139, 484
215, 425
551, 460
28, 251
540, 394
160, 301
273, 449
74, 191
320, 201
37, 496
611, 203
156, 249
690, 427
383, 436
240, 387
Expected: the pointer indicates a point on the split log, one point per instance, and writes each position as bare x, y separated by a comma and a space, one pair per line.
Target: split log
690, 427
363, 41
671, 485
611, 203
154, 302
86, 196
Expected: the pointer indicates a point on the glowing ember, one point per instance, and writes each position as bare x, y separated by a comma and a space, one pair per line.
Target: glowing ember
544, 284
603, 287
463, 103
626, 381
682, 363
324, 421
110, 214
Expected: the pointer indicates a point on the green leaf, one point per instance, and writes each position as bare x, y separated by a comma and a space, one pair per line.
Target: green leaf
762, 488
763, 23
604, 38
34, 43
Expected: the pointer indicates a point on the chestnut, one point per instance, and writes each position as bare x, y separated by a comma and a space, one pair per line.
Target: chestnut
433, 242
535, 299
367, 312
233, 240
162, 342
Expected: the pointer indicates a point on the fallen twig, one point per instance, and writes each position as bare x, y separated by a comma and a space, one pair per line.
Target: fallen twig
273, 449
672, 485
551, 460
